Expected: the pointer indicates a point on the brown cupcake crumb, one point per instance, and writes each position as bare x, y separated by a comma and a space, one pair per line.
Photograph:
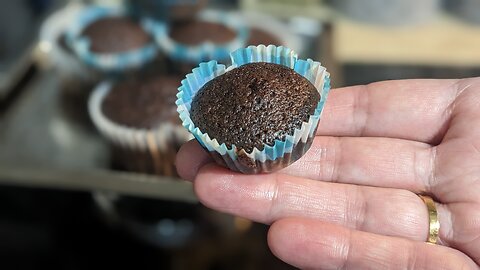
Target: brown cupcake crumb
116, 34
143, 104
196, 32
254, 105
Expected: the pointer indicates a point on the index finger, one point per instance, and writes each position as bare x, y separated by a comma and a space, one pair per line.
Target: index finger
416, 110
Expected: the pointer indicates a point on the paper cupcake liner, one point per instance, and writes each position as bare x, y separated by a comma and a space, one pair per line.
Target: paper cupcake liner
156, 142
293, 146
108, 62
66, 63
204, 51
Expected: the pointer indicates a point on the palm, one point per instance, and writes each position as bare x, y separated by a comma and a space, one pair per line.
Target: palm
378, 146
456, 178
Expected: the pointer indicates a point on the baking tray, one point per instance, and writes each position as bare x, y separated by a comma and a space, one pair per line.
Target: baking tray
42, 145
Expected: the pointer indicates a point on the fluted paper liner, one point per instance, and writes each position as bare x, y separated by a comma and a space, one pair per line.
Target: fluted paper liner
283, 152
109, 62
206, 50
153, 141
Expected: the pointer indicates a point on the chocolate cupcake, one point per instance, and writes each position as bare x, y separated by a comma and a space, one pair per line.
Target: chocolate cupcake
260, 114
144, 104
198, 32
139, 117
212, 35
115, 35
172, 11
259, 37
110, 40
266, 102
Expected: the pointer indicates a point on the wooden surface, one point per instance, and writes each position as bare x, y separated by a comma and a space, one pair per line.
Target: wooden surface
443, 42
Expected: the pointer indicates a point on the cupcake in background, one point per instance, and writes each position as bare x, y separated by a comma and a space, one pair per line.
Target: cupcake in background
112, 41
115, 35
169, 10
211, 35
139, 118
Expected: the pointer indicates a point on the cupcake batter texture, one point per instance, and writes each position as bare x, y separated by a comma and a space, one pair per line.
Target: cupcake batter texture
254, 105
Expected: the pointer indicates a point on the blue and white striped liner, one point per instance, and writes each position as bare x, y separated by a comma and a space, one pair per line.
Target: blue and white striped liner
207, 50
310, 69
108, 62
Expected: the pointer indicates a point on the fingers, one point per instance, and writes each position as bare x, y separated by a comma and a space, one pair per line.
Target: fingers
408, 109
267, 198
412, 109
310, 244
190, 158
380, 162
464, 218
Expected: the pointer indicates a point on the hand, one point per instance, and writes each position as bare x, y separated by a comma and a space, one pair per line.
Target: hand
350, 202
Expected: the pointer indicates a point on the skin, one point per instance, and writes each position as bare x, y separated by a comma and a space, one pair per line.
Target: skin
351, 202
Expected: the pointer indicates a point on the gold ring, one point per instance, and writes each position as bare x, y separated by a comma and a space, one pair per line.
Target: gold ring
434, 224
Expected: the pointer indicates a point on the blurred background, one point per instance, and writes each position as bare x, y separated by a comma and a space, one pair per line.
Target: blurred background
89, 132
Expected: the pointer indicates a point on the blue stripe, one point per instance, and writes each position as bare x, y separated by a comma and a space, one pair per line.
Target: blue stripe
199, 53
108, 62
206, 71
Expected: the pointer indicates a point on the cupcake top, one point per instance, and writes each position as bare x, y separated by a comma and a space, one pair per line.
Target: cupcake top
258, 36
197, 32
254, 105
115, 34
143, 104
209, 35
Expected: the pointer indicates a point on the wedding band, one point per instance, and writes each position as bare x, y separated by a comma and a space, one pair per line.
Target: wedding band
434, 224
